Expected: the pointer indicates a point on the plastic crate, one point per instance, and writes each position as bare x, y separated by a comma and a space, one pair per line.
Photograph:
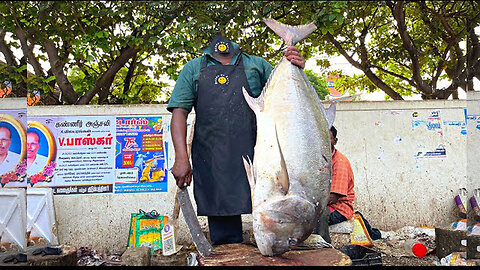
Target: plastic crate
362, 256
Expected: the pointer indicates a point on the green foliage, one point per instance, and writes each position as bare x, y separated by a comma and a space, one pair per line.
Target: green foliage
437, 30
122, 50
14, 78
318, 82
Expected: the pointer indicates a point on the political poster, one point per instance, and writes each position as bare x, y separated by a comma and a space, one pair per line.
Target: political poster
71, 154
140, 155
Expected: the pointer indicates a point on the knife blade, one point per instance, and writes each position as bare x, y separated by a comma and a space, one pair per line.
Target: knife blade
199, 239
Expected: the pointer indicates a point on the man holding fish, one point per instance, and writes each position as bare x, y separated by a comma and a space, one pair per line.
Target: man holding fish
225, 130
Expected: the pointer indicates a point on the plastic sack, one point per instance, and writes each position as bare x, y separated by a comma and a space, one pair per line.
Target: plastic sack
454, 259
460, 225
474, 230
360, 235
145, 230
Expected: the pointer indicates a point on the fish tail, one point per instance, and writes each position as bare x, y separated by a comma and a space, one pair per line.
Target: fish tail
256, 104
290, 34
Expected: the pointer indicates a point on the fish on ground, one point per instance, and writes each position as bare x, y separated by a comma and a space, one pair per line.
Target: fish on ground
290, 174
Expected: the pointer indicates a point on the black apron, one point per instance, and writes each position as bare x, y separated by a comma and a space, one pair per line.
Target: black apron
225, 130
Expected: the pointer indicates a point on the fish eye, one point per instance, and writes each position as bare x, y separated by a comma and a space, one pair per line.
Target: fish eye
292, 242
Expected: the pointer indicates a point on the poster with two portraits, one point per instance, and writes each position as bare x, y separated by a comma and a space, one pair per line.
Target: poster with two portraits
72, 155
83, 154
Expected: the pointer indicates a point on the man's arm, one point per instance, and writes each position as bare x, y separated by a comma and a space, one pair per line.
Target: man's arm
182, 170
333, 198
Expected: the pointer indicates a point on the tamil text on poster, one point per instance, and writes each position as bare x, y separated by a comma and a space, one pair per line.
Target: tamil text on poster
140, 155
72, 154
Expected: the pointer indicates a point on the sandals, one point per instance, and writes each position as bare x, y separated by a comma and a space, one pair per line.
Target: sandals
47, 251
16, 258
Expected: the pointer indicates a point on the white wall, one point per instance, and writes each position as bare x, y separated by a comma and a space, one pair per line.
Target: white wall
393, 188
13, 103
473, 142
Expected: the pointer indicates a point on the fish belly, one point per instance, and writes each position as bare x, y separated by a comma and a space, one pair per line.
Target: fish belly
302, 131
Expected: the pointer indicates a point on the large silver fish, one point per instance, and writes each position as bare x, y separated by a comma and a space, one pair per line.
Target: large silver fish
290, 174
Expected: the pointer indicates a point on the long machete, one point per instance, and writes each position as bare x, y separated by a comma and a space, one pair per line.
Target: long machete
199, 239
182, 201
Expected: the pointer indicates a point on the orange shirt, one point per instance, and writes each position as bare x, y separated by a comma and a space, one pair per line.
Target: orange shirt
342, 183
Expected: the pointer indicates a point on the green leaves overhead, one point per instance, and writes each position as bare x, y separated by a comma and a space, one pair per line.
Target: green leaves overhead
318, 82
124, 51
405, 47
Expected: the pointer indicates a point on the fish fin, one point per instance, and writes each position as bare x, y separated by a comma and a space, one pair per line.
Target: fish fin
290, 34
256, 104
250, 172
330, 114
282, 175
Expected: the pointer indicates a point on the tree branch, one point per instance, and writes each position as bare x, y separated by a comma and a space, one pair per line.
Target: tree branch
394, 74
105, 81
9, 57
68, 93
474, 51
128, 77
451, 39
399, 16
20, 33
377, 81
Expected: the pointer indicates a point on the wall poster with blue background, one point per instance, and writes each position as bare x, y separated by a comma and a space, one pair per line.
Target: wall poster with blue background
140, 155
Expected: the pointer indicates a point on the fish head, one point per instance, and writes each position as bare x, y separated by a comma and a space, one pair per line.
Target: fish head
281, 224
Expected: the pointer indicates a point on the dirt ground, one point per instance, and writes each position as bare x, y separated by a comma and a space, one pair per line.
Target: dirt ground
408, 261
391, 256
391, 247
394, 254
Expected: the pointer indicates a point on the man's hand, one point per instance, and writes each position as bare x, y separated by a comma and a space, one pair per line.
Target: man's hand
294, 56
182, 171
333, 198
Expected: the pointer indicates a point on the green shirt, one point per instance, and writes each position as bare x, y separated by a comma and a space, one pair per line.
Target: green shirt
257, 71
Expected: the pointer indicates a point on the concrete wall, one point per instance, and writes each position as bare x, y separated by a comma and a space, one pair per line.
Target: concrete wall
393, 187
12, 103
102, 221
473, 142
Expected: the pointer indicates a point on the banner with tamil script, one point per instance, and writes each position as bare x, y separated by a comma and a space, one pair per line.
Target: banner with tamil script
140, 155
71, 154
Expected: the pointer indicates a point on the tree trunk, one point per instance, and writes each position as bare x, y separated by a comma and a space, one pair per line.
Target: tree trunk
398, 12
32, 60
9, 57
68, 93
105, 81
128, 78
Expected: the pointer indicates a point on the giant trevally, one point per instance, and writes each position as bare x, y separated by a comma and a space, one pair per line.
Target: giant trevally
290, 174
